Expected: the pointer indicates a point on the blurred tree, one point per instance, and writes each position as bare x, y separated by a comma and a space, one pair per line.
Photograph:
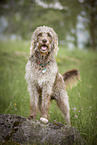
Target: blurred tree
66, 13
19, 14
70, 17
24, 16
90, 9
71, 9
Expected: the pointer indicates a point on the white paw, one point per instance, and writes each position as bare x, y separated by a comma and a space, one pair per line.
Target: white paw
44, 120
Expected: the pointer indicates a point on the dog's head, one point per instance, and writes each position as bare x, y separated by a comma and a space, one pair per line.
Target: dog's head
44, 40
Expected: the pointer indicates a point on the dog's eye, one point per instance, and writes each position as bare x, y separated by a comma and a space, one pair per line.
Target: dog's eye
40, 34
49, 35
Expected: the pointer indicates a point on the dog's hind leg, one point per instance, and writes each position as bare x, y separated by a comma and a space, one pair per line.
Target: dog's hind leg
63, 103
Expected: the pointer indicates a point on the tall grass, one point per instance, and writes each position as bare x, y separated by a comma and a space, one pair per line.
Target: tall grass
14, 97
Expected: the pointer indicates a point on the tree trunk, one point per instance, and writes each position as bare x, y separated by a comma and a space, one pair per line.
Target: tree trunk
92, 25
92, 32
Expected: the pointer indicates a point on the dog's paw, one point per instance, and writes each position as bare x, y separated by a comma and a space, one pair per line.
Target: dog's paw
31, 116
44, 120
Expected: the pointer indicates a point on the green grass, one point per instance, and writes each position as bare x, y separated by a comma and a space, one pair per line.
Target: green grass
14, 97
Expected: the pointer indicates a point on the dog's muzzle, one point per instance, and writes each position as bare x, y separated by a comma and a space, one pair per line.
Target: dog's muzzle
44, 45
44, 48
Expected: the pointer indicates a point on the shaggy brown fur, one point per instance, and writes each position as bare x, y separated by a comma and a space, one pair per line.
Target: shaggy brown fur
44, 80
70, 77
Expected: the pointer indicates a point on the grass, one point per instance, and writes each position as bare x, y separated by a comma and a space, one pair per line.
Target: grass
14, 98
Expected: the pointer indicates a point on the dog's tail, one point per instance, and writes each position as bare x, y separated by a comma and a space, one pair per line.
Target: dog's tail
71, 77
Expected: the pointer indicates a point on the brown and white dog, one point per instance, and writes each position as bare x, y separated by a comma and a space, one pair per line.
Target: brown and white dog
42, 75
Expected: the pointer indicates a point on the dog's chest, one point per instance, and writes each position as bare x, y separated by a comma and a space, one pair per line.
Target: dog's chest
42, 75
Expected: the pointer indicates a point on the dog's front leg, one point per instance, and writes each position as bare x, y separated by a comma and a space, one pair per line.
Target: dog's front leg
45, 103
34, 98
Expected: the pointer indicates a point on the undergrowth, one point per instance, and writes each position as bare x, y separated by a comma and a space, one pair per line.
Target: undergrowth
14, 97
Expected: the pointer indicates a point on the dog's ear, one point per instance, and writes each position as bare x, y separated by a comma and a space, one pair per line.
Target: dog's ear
33, 42
71, 77
31, 47
56, 43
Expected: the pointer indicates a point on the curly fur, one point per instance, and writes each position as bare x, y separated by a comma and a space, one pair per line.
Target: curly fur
44, 80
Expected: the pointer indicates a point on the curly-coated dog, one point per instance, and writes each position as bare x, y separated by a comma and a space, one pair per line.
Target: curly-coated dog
44, 80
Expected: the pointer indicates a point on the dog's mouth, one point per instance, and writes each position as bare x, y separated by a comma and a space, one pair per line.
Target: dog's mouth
44, 48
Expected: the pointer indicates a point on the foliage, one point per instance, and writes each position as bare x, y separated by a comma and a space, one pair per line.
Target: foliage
24, 16
14, 97
90, 12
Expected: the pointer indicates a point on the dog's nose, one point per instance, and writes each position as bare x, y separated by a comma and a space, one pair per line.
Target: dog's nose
44, 40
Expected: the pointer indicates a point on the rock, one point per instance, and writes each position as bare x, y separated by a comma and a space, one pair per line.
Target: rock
16, 129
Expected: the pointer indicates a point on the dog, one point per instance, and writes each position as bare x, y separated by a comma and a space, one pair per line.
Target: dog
44, 80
